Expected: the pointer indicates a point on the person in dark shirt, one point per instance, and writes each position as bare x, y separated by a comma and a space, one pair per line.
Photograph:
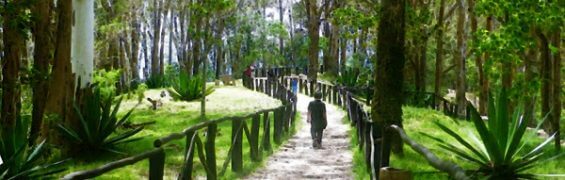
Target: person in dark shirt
318, 119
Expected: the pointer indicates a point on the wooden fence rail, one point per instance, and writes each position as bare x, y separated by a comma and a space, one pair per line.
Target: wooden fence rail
283, 118
368, 133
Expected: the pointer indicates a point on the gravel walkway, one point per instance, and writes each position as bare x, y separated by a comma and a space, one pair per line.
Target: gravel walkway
298, 160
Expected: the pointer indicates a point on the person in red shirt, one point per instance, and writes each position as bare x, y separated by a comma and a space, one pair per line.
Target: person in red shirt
247, 76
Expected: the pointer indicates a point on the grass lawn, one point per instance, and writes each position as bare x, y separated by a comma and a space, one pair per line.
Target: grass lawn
174, 117
417, 120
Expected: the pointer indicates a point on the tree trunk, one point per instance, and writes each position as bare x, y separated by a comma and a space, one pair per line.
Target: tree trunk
343, 53
82, 51
439, 53
314, 36
460, 58
13, 43
483, 96
61, 84
220, 50
529, 103
387, 106
281, 15
484, 92
332, 66
162, 37
134, 58
41, 11
155, 66
557, 108
546, 90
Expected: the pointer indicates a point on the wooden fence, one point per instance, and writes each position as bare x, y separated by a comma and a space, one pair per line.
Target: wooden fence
283, 118
369, 133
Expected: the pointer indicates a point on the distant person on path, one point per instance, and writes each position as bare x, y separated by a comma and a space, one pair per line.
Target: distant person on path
294, 85
318, 119
247, 76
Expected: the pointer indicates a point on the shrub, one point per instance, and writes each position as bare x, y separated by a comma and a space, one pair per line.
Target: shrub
106, 81
500, 152
22, 161
155, 81
97, 124
187, 88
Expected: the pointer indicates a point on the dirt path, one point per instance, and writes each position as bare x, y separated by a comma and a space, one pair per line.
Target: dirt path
298, 160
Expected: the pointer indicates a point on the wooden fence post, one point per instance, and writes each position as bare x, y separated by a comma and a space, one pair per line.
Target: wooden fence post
211, 151
254, 144
157, 166
277, 126
266, 133
187, 167
237, 152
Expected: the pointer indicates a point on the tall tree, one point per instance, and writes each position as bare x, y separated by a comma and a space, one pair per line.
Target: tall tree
82, 52
12, 17
61, 83
557, 91
313, 13
460, 60
387, 106
41, 11
155, 66
439, 51
134, 34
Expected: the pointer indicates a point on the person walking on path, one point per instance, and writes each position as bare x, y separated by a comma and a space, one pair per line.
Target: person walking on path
318, 119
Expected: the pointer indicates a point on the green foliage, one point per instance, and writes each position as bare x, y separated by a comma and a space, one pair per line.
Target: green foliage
155, 81
500, 152
348, 77
97, 124
20, 160
187, 88
140, 91
106, 81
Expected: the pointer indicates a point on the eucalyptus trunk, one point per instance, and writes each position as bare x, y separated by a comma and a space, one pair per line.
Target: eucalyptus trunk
82, 51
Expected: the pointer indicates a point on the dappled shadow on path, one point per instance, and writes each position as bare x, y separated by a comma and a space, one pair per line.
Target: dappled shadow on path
298, 160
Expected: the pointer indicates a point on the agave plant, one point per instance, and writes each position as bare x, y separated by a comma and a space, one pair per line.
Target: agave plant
21, 161
97, 124
348, 77
187, 88
500, 153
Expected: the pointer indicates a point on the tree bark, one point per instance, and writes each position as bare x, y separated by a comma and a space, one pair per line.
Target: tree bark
155, 66
313, 14
460, 58
546, 90
220, 49
557, 108
134, 56
439, 53
82, 53
389, 78
61, 84
13, 43
41, 11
